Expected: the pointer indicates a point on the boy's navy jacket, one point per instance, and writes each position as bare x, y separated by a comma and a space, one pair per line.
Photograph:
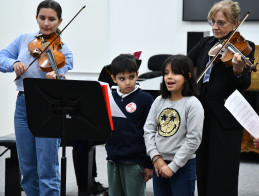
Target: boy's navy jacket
127, 142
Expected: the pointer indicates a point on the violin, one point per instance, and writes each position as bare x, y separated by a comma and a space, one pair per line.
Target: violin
51, 59
41, 46
237, 44
226, 50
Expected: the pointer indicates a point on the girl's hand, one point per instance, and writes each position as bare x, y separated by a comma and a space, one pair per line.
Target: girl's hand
256, 142
166, 172
147, 174
158, 165
238, 64
19, 68
52, 75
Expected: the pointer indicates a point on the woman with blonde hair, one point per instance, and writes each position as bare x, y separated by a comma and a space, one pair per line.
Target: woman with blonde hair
219, 153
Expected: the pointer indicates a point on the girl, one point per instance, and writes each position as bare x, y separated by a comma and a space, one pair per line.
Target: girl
38, 157
173, 129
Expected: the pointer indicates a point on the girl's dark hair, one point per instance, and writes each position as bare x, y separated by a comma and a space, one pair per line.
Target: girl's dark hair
53, 5
124, 63
50, 4
180, 64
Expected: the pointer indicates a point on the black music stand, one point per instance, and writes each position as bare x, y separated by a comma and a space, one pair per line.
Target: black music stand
66, 109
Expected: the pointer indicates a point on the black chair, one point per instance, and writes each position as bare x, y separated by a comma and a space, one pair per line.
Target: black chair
12, 172
155, 63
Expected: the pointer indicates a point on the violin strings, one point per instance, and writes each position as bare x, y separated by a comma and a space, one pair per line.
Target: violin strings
52, 61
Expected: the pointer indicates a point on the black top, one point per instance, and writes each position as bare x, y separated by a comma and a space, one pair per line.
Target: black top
222, 83
127, 142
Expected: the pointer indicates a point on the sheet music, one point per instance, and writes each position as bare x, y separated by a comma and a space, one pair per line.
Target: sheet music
115, 110
243, 112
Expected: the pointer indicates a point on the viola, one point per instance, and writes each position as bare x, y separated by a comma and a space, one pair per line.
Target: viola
51, 59
237, 44
38, 47
226, 48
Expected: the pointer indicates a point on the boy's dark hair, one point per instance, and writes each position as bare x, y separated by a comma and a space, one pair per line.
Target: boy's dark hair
180, 64
124, 63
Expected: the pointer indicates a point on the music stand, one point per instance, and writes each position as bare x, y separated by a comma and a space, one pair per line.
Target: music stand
66, 109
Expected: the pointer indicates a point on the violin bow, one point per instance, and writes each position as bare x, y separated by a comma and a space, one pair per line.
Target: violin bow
223, 46
58, 34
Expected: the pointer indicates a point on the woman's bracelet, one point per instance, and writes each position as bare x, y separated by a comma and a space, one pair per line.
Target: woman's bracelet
158, 157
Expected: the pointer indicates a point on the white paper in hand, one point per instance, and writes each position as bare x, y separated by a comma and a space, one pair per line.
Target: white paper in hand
115, 110
243, 112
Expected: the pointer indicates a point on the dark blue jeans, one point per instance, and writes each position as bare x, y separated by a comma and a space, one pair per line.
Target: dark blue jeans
182, 183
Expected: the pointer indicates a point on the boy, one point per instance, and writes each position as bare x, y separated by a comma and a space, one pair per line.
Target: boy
129, 167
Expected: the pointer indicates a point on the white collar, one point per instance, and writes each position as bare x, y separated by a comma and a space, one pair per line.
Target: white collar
125, 95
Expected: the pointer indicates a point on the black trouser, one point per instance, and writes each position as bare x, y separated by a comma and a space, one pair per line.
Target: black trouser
218, 158
80, 159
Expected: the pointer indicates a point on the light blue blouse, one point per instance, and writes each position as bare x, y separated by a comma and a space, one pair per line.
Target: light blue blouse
18, 51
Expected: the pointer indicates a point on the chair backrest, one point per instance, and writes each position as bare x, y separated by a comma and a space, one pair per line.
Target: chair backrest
155, 62
105, 74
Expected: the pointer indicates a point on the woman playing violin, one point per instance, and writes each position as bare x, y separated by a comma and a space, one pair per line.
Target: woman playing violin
38, 157
219, 153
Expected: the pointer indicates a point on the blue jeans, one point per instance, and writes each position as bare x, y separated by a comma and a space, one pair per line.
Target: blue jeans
182, 183
38, 157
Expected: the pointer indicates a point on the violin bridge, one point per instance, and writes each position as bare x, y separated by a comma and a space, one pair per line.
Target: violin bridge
45, 44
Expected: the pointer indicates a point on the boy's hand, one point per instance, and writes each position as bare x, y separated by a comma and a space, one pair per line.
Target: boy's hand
166, 172
158, 165
147, 174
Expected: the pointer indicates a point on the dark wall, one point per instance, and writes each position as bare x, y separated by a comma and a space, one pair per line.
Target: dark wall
197, 10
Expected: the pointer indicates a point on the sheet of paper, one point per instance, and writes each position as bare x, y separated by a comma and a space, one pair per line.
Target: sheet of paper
115, 110
243, 112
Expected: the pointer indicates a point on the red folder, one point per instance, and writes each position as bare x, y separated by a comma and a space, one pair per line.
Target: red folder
107, 103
